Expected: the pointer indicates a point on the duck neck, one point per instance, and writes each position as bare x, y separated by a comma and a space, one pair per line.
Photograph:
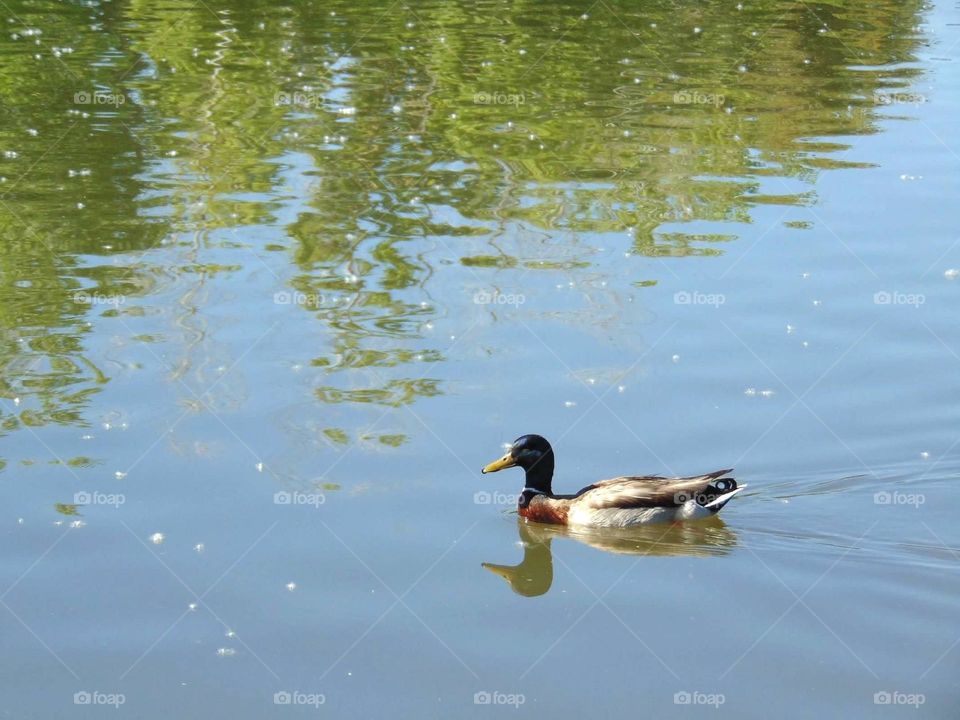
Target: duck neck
540, 475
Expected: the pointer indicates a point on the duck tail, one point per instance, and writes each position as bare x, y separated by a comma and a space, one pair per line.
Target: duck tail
720, 493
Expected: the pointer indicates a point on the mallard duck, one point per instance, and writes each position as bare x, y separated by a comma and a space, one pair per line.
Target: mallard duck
616, 503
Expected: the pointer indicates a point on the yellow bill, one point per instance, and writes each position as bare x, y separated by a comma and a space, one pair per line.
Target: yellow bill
506, 461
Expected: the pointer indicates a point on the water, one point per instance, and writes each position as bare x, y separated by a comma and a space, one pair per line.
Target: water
277, 280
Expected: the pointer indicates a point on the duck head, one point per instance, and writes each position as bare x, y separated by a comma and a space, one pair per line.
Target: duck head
532, 453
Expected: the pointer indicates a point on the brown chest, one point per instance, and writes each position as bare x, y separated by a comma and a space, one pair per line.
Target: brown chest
544, 510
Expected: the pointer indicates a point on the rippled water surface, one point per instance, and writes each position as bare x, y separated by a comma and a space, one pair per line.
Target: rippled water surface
277, 279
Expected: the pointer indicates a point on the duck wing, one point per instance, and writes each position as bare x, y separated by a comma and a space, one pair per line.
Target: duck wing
650, 491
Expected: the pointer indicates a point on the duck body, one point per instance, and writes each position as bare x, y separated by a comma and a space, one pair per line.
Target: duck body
625, 502
620, 502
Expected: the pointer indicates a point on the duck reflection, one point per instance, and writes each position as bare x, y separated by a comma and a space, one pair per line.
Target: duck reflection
533, 576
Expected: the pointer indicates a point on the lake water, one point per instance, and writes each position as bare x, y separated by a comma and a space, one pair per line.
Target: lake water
277, 279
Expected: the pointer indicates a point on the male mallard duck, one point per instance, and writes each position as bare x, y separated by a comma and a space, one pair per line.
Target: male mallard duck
619, 502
